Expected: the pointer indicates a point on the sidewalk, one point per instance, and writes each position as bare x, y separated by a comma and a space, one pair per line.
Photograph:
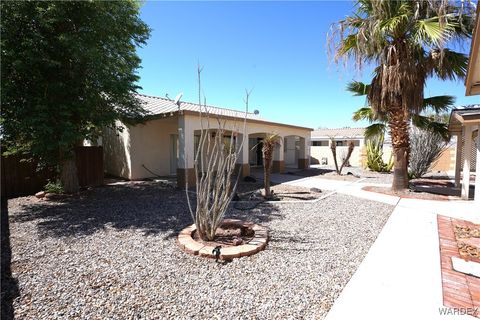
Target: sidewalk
400, 278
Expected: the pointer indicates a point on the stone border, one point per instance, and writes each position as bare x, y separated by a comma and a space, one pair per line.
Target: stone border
459, 290
258, 243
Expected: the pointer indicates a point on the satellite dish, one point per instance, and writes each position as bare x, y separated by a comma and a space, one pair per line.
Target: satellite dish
177, 99
256, 112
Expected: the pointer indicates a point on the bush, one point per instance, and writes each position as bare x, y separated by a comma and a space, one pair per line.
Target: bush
54, 187
425, 148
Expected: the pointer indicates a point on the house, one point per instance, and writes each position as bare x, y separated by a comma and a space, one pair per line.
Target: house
465, 123
321, 152
166, 142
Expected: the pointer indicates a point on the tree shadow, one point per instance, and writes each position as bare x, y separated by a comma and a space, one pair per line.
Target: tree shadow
148, 207
259, 212
9, 284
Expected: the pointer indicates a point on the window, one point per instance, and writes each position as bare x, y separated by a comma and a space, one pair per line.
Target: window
321, 143
346, 143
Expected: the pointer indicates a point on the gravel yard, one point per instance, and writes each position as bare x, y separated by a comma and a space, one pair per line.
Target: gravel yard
371, 176
111, 253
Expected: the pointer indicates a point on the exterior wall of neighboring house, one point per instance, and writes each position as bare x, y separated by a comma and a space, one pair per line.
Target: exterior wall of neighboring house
446, 162
320, 151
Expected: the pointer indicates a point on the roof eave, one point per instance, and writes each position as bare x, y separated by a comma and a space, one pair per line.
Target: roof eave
472, 86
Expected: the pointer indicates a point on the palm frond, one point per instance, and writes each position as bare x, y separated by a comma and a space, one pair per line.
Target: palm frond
427, 123
432, 31
448, 65
365, 113
348, 45
375, 129
439, 104
358, 88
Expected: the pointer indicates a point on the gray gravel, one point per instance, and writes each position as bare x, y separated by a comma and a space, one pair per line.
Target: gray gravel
371, 176
111, 253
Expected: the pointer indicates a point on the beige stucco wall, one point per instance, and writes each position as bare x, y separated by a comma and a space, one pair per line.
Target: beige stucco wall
116, 151
191, 123
325, 152
150, 146
446, 162
319, 152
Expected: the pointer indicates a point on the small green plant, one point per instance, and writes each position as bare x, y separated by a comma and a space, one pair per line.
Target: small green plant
54, 187
375, 155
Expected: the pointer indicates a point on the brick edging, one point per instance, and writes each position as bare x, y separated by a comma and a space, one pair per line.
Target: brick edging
258, 243
459, 290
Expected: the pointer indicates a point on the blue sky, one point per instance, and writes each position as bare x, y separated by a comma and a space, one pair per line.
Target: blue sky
278, 49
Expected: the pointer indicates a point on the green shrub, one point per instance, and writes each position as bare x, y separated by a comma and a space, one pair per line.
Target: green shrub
375, 155
54, 187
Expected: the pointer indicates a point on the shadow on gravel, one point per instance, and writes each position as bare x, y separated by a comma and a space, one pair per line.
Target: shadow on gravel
149, 207
259, 212
9, 285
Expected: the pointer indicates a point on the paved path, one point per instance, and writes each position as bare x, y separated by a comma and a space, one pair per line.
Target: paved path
400, 278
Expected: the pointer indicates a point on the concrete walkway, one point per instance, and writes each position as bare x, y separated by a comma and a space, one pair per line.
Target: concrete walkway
400, 278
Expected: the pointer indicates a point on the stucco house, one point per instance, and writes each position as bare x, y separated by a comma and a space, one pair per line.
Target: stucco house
321, 150
165, 144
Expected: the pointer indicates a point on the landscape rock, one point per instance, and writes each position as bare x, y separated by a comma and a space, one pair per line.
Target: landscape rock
112, 254
40, 194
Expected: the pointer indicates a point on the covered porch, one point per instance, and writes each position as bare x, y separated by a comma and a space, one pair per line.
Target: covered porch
293, 149
465, 125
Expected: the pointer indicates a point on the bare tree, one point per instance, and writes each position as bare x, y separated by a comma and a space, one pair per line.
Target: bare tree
346, 158
426, 147
214, 167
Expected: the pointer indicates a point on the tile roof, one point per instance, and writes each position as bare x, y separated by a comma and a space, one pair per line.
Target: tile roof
160, 105
338, 133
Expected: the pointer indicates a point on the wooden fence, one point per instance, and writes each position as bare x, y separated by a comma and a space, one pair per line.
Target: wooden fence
19, 177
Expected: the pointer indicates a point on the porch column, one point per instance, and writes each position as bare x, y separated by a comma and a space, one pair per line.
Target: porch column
242, 164
304, 153
477, 171
458, 159
467, 151
186, 156
278, 165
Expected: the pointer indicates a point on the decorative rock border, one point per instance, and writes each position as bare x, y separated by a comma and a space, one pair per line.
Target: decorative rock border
258, 243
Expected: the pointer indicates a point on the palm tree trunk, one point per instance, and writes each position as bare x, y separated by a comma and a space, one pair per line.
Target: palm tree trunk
267, 163
398, 124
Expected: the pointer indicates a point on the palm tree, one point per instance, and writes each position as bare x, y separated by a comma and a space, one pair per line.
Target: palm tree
433, 106
269, 144
405, 40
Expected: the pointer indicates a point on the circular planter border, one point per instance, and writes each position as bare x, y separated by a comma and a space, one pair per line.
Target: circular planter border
258, 243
